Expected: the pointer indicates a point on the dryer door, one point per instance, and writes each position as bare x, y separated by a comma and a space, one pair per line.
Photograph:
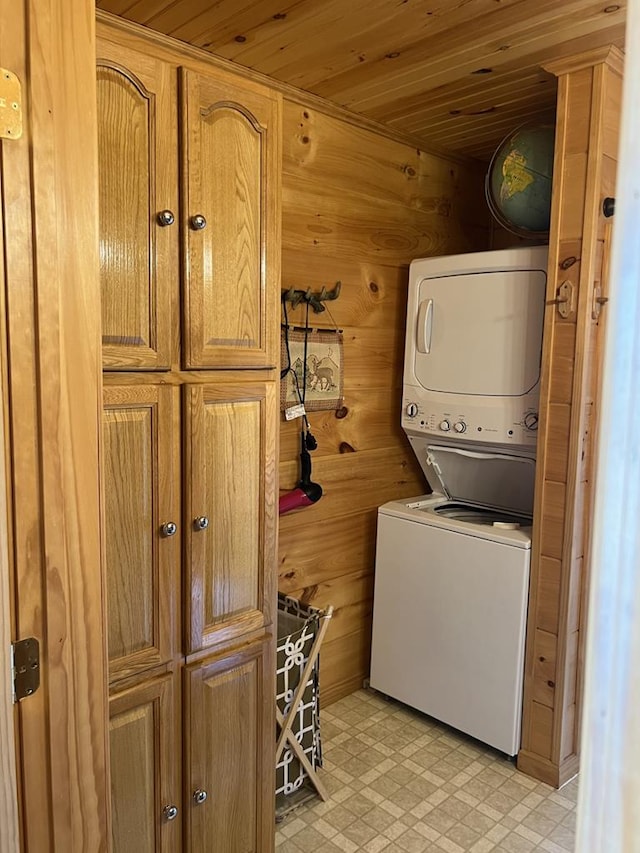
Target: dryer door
480, 333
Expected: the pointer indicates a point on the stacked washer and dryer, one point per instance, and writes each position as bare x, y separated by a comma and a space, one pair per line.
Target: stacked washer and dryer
452, 567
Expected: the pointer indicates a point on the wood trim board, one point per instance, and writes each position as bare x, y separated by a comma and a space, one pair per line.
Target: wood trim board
50, 203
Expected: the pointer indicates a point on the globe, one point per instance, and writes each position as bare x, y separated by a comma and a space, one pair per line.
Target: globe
518, 181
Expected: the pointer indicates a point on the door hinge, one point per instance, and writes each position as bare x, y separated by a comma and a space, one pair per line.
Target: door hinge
25, 667
10, 105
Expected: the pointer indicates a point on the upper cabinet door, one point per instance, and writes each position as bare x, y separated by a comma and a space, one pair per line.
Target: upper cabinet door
231, 221
139, 232
230, 515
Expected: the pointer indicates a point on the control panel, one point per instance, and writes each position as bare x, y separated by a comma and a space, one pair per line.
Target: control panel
484, 423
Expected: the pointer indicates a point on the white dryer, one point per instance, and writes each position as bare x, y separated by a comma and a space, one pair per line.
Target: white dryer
472, 347
452, 568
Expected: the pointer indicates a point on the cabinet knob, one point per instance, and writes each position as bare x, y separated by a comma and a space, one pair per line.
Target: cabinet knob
201, 522
170, 812
199, 796
169, 528
166, 217
198, 222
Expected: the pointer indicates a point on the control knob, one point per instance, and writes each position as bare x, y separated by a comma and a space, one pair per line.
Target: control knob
531, 421
412, 410
460, 427
445, 426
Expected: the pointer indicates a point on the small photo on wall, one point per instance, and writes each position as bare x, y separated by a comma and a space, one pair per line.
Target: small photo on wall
318, 378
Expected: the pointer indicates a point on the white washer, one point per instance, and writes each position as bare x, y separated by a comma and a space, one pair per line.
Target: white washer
451, 592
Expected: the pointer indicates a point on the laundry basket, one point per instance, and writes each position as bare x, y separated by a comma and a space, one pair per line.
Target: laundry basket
299, 750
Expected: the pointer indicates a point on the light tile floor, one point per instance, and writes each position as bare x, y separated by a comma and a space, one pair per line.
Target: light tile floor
400, 782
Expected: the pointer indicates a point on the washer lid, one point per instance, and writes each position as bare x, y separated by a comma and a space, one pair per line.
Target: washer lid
483, 479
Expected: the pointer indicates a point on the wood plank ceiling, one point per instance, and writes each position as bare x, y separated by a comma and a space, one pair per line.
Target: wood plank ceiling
453, 74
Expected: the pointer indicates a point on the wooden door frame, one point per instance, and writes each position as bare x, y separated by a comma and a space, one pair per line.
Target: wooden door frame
9, 824
608, 817
52, 412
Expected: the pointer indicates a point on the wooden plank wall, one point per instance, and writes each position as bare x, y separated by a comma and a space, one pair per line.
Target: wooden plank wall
357, 208
585, 165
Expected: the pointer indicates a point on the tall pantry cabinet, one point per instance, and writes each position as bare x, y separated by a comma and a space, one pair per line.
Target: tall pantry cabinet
189, 158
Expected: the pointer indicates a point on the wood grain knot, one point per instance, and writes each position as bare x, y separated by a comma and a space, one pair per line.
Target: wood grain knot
541, 659
481, 112
568, 262
345, 447
279, 16
308, 594
240, 39
551, 683
395, 241
373, 287
342, 412
305, 140
409, 170
394, 55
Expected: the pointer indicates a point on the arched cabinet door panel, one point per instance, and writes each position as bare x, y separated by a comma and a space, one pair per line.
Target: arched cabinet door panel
139, 230
230, 222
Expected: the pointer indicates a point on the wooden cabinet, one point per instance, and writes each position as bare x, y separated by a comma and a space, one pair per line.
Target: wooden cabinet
138, 182
224, 203
228, 523
190, 290
230, 774
145, 769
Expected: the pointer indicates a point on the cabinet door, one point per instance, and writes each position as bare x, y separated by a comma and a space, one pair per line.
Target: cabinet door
144, 748
141, 471
230, 758
138, 163
230, 518
231, 163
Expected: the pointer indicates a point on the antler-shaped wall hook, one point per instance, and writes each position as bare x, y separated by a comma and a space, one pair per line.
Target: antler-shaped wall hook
315, 300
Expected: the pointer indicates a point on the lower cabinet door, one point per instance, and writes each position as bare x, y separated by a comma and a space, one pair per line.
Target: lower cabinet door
230, 754
145, 768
